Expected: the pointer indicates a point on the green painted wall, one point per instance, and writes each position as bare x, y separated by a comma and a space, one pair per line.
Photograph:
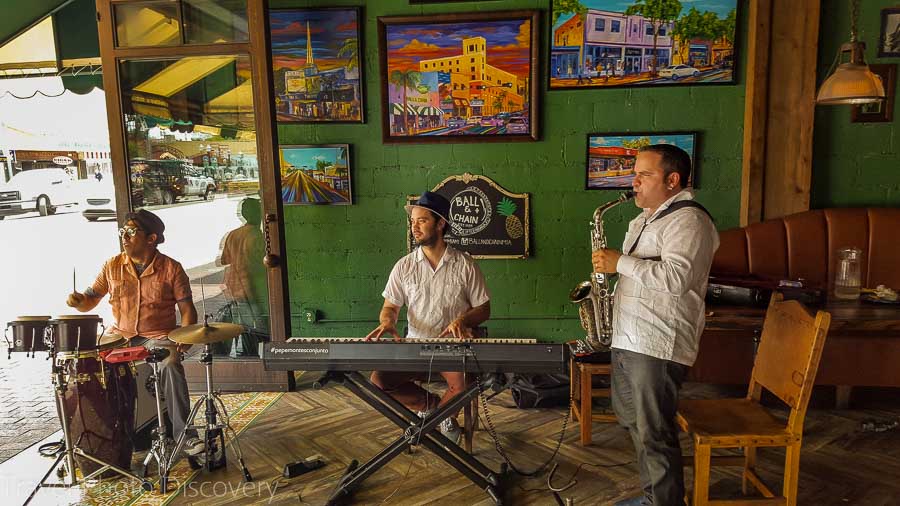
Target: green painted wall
854, 164
339, 257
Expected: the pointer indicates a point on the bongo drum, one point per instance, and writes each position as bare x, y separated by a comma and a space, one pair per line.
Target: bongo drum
27, 334
76, 332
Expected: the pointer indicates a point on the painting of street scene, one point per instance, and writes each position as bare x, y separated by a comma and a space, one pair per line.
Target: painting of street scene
611, 157
607, 43
316, 60
463, 76
315, 174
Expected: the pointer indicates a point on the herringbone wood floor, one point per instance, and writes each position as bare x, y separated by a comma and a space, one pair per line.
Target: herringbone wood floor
840, 463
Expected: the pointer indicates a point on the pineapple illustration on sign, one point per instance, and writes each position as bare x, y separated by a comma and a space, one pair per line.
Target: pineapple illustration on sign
514, 228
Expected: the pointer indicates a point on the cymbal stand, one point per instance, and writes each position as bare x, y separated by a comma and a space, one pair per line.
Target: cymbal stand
215, 427
70, 480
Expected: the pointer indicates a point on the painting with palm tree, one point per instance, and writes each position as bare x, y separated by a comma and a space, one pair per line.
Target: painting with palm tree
609, 43
459, 77
316, 59
315, 174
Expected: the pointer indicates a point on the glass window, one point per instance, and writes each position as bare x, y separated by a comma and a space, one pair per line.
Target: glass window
615, 26
192, 160
176, 22
215, 21
147, 24
599, 25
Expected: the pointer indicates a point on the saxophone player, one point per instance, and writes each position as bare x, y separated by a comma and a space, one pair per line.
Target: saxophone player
658, 314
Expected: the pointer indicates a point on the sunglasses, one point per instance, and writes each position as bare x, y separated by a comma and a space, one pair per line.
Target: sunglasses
131, 231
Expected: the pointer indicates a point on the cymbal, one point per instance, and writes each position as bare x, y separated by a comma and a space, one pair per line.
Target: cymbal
109, 341
206, 333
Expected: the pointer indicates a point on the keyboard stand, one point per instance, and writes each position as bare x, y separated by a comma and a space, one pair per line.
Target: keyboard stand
415, 431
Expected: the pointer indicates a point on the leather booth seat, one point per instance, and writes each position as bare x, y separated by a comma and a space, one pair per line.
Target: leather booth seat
861, 350
805, 245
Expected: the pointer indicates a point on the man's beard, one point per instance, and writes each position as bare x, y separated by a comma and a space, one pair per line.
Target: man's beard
427, 241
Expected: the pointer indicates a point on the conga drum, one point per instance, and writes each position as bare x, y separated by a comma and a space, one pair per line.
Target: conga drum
27, 334
99, 408
76, 332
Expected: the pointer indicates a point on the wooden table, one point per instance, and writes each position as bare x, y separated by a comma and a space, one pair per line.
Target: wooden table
862, 347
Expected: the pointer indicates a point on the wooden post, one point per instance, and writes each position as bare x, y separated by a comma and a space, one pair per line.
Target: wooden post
779, 108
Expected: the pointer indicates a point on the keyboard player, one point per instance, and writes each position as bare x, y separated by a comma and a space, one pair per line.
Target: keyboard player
446, 297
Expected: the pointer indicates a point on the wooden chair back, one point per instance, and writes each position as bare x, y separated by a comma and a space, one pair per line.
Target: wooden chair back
788, 355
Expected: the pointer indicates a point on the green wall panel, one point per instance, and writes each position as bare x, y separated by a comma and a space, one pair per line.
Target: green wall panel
854, 164
339, 258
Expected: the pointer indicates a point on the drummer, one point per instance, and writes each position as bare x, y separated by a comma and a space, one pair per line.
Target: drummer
144, 286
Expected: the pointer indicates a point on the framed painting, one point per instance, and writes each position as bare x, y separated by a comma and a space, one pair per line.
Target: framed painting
882, 111
618, 43
315, 174
890, 33
316, 59
459, 77
611, 157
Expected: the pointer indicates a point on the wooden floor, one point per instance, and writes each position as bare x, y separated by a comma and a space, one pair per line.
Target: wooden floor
840, 464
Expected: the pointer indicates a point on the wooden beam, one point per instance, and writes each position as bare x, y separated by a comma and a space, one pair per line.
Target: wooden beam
755, 112
792, 90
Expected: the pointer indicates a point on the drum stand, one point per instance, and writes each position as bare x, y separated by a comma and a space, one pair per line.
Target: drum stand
215, 426
72, 449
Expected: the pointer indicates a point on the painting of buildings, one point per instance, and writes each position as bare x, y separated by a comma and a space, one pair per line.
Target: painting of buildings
315, 174
611, 157
462, 77
316, 59
606, 43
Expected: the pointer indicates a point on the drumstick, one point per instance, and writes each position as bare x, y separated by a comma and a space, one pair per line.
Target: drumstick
74, 289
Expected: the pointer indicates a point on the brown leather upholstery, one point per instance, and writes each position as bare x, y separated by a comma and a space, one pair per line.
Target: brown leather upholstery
804, 245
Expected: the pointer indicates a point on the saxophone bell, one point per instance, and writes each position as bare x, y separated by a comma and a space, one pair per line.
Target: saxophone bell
581, 296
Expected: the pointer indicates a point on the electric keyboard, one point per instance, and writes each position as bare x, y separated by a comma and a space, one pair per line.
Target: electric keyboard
469, 355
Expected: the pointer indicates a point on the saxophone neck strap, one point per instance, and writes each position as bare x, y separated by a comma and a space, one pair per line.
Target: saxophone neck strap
675, 206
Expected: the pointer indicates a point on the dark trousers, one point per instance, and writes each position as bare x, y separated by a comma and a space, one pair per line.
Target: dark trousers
645, 398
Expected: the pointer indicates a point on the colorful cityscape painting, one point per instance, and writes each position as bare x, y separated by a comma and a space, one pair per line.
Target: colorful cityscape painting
315, 174
459, 77
611, 157
316, 60
607, 43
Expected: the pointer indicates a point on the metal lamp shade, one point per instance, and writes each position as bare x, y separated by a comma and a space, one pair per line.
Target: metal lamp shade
851, 82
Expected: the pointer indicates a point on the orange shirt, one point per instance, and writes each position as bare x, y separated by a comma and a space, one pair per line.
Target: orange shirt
242, 246
144, 305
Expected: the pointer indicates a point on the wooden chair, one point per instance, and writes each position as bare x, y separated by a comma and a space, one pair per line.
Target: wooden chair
582, 392
785, 365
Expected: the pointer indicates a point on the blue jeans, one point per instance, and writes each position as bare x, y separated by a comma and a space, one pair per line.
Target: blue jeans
645, 399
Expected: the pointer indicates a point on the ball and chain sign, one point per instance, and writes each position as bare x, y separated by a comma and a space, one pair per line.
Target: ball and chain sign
486, 220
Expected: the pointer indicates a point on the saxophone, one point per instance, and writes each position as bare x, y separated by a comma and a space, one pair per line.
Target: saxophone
594, 297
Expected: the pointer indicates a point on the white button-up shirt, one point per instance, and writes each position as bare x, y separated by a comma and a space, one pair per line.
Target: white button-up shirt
435, 297
659, 305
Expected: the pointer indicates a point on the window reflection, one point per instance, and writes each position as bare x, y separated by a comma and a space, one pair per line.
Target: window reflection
147, 24
192, 160
161, 22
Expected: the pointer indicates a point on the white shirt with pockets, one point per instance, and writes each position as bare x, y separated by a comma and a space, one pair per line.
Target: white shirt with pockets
435, 297
659, 307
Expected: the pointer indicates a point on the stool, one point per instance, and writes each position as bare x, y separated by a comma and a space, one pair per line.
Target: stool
582, 391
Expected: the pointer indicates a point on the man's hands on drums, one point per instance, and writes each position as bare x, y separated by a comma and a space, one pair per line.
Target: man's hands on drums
383, 329
458, 329
183, 348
